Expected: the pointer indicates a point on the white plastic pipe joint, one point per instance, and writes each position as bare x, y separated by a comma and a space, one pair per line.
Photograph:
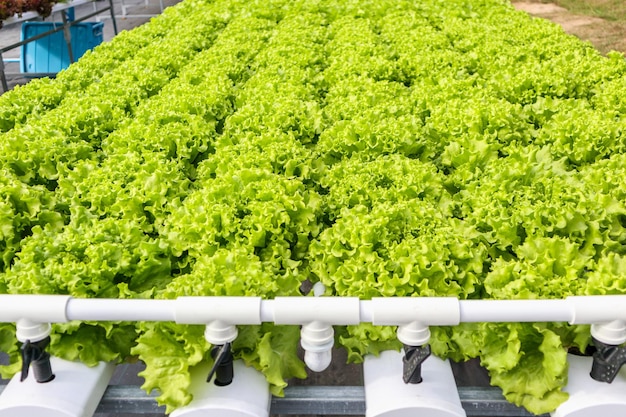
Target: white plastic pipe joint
612, 333
219, 314
27, 330
315, 315
218, 332
431, 311
36, 308
317, 340
413, 315
413, 334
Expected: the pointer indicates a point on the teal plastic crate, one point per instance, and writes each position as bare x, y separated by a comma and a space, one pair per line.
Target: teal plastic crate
49, 54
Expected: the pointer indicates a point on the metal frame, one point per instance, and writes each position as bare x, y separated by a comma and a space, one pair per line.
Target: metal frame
125, 7
65, 27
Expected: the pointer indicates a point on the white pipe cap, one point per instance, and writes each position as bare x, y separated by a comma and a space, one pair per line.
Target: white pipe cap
414, 334
220, 333
35, 332
613, 333
318, 361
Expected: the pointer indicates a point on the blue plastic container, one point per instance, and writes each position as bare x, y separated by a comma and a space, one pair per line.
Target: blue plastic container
49, 54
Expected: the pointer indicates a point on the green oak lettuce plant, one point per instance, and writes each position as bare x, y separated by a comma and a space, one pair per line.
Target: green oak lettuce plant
384, 148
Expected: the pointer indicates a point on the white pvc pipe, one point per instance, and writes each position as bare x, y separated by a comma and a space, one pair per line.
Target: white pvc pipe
232, 310
475, 311
318, 337
434, 311
267, 310
301, 310
573, 309
106, 309
365, 315
330, 310
318, 289
589, 309
36, 308
318, 361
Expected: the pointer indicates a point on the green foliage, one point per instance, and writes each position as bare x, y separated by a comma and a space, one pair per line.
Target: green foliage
384, 148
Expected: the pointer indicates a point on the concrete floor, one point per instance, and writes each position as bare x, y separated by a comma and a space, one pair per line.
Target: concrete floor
128, 14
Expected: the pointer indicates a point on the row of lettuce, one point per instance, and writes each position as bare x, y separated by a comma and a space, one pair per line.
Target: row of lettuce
384, 148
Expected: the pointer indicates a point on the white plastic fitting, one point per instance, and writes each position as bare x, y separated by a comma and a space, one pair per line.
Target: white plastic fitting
218, 332
590, 398
36, 308
386, 395
430, 311
302, 310
590, 309
220, 314
33, 331
318, 289
75, 391
477, 311
317, 340
316, 315
413, 334
247, 396
612, 333
233, 310
113, 309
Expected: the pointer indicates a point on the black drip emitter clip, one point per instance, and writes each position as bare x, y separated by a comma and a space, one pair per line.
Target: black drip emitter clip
414, 356
223, 366
35, 354
607, 361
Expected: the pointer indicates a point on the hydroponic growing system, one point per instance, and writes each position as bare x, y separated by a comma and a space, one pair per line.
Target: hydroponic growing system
412, 182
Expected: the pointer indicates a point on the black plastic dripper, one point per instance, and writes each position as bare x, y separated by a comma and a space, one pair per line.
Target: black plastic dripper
414, 356
223, 366
35, 355
607, 361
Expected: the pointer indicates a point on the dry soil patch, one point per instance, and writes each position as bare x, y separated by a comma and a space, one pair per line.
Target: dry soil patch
603, 34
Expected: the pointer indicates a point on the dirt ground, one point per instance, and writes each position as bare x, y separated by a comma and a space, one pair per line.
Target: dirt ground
603, 34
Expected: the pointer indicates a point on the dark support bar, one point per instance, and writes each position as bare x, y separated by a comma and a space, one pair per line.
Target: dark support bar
312, 400
67, 35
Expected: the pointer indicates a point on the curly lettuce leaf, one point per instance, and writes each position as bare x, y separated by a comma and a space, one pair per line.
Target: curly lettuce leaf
10, 346
367, 339
169, 351
275, 354
91, 343
529, 363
